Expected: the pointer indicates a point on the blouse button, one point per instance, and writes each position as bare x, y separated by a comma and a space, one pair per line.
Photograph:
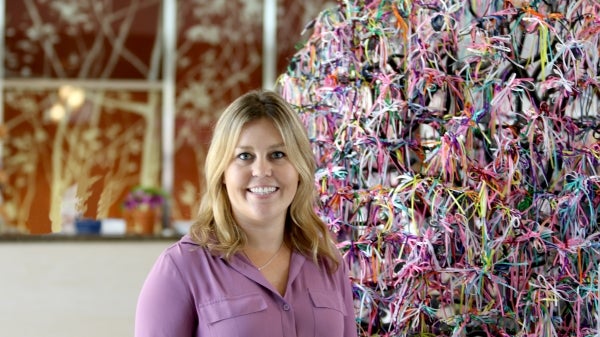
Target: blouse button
286, 307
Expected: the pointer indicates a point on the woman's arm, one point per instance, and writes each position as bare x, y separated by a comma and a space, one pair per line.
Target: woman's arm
165, 307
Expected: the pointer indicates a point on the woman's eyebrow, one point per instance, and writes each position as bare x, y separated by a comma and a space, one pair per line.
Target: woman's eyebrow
249, 147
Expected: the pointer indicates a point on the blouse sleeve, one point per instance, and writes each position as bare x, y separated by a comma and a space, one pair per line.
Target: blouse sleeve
165, 307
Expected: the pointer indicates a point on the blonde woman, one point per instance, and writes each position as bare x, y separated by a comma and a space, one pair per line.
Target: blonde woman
258, 261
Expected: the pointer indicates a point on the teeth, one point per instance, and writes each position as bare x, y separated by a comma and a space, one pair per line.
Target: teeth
263, 190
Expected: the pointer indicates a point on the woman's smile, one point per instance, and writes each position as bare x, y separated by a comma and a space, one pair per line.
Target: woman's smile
263, 190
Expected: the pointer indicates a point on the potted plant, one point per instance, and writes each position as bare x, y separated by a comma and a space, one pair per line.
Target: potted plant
142, 208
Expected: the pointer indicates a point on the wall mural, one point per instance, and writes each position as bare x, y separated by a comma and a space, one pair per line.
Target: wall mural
65, 152
67, 160
458, 145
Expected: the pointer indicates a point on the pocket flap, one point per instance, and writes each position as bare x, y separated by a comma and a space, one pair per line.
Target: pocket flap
232, 307
330, 300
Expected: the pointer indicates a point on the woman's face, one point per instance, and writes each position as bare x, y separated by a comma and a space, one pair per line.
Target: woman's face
260, 180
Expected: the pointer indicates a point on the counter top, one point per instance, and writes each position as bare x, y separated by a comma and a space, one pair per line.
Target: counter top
6, 238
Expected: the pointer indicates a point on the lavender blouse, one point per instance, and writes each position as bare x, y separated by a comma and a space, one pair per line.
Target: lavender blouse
190, 292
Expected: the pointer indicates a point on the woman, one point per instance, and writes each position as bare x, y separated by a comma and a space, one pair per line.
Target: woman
258, 261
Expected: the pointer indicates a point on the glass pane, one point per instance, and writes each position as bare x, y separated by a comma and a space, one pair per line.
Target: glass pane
116, 39
219, 57
78, 150
73, 150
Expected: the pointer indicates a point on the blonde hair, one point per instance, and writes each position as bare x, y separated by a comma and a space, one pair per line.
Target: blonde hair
216, 228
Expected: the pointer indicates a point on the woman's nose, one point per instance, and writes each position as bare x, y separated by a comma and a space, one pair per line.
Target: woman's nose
261, 168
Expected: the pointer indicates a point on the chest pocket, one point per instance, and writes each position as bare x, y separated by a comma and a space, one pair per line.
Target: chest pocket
329, 312
234, 316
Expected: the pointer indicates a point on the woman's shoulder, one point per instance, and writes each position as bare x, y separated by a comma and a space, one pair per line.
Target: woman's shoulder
185, 248
186, 255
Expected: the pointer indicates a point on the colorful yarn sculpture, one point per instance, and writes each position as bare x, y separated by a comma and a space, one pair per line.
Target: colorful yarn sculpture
459, 159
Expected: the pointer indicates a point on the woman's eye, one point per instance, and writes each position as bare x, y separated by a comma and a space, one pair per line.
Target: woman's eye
244, 156
277, 155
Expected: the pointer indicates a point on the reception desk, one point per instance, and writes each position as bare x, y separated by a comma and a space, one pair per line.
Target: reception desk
76, 285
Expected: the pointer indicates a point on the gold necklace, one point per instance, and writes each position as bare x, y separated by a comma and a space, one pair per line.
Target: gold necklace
268, 261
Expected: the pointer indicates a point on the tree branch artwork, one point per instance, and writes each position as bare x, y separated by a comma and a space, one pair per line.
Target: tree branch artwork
76, 151
459, 159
